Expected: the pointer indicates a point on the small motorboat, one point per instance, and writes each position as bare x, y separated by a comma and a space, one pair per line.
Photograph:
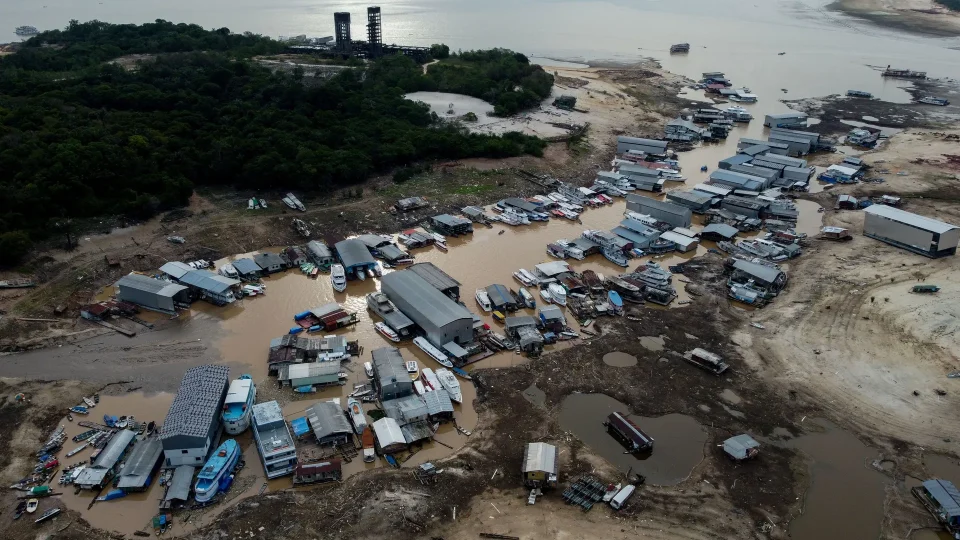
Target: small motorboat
21, 509
69, 417
545, 294
483, 299
703, 169
338, 277
413, 369
79, 409
32, 505
368, 369
122, 423
357, 416
460, 372
386, 332
49, 514
361, 275
89, 401
611, 492
442, 246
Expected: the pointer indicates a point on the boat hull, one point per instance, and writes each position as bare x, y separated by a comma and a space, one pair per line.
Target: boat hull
209, 484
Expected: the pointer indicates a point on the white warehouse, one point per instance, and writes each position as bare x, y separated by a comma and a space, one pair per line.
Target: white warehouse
912, 232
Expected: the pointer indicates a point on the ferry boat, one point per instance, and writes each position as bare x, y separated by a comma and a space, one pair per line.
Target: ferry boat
338, 277
432, 351
484, 300
431, 381
238, 406
386, 332
557, 294
357, 417
528, 299
413, 369
450, 383
216, 471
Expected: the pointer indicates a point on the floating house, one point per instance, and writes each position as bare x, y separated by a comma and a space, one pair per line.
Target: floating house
679, 129
178, 489
247, 269
523, 331
735, 180
439, 406
217, 289
718, 232
696, 202
441, 318
684, 243
919, 234
312, 374
152, 294
278, 454
317, 473
501, 298
552, 319
390, 439
329, 424
374, 242
942, 499
448, 225
632, 436
101, 471
790, 119
647, 146
640, 234
841, 174
192, 424
541, 467
390, 375
755, 147
438, 279
738, 159
294, 256
768, 279
745, 206
354, 256
676, 215
271, 263
382, 306
320, 253
140, 466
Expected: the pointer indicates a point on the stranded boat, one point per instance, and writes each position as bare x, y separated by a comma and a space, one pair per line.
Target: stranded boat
216, 471
49, 514
338, 277
238, 406
450, 383
430, 381
359, 420
386, 332
432, 351
368, 369
483, 299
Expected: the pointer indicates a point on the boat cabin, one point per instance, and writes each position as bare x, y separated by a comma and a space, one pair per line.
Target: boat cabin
316, 473
628, 433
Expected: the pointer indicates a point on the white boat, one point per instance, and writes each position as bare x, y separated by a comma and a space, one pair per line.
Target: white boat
430, 380
288, 202
413, 369
296, 202
357, 417
238, 405
89, 401
450, 383
338, 277
368, 369
545, 294
484, 300
442, 246
432, 351
361, 275
528, 299
528, 275
557, 294
419, 388
516, 215
386, 332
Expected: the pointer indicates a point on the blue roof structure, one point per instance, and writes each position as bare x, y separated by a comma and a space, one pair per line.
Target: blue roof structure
300, 426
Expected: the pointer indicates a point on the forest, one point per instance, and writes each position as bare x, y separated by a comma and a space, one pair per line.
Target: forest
81, 136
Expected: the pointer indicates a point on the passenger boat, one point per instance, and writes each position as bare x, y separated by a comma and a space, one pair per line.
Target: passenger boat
49, 514
528, 299
557, 294
430, 380
238, 406
413, 369
616, 257
450, 383
432, 351
357, 417
368, 369
419, 388
216, 471
483, 299
32, 505
520, 217
338, 277
386, 332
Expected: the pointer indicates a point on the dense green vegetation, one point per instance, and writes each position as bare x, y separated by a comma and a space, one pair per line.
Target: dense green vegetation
81, 137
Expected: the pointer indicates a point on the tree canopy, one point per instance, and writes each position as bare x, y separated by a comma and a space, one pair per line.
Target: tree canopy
81, 136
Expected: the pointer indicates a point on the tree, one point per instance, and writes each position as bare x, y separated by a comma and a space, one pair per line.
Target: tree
14, 246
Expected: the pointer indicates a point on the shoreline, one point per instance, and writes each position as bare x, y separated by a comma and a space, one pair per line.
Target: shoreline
923, 17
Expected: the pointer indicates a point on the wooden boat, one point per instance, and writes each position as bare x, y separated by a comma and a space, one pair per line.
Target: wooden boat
77, 450
21, 509
89, 401
32, 505
367, 439
49, 514
413, 369
432, 351
386, 332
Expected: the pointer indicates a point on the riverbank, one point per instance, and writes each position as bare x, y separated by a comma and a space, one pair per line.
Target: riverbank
917, 16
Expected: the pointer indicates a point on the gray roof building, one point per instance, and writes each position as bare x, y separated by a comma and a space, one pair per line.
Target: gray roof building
676, 215
769, 175
740, 447
737, 180
373, 241
208, 282
438, 404
309, 374
278, 454
153, 294
390, 374
269, 262
441, 319
718, 232
329, 424
755, 150
176, 269
765, 276
647, 146
193, 419
744, 206
922, 235
319, 252
96, 474
522, 204
436, 277
354, 254
696, 202
814, 138
406, 410
178, 490
772, 147
141, 464
247, 267
946, 497
738, 159
392, 253
786, 161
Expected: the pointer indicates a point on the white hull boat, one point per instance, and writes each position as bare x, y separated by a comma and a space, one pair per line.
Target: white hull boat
386, 332
368, 369
357, 417
528, 299
545, 294
432, 351
419, 388
557, 294
450, 383
430, 380
361, 275
413, 369
483, 299
338, 277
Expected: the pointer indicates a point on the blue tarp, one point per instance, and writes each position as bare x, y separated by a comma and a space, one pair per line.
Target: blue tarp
300, 426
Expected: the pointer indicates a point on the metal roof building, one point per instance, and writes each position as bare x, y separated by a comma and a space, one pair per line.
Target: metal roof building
552, 269
500, 297
319, 252
438, 404
140, 466
278, 454
436, 277
451, 225
767, 277
772, 147
540, 464
740, 447
786, 119
629, 170
521, 204
178, 490
176, 269
696, 202
912, 232
647, 146
769, 175
95, 475
391, 253
638, 233
329, 424
718, 232
786, 161
814, 138
390, 438
684, 243
309, 374
441, 319
390, 374
406, 410
247, 268
153, 294
270, 262
738, 159
744, 206
737, 181
755, 150
946, 499
354, 255
715, 191
212, 286
676, 215
373, 241
193, 420
796, 146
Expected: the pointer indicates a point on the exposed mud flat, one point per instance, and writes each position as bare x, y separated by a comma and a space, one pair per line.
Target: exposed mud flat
619, 359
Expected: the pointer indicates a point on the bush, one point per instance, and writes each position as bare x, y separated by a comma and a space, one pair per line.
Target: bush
14, 246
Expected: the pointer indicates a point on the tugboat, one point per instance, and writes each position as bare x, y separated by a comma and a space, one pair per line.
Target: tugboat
238, 406
338, 277
216, 472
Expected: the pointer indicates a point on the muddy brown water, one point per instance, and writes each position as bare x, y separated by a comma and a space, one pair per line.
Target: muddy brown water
941, 466
619, 359
678, 446
651, 343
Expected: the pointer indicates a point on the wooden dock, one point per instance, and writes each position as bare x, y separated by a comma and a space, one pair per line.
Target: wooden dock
115, 328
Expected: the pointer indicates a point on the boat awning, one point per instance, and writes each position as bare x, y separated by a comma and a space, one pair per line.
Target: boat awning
300, 426
455, 350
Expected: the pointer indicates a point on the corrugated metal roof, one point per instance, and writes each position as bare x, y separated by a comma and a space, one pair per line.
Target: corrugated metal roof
690, 196
312, 373
208, 281
197, 403
747, 143
388, 365
541, 457
785, 160
737, 446
678, 239
451, 221
246, 266
176, 269
319, 249
550, 313
438, 403
266, 260
327, 418
138, 467
721, 229
388, 432
661, 206
455, 350
429, 302
353, 252
405, 409
712, 190
736, 160
158, 287
908, 218
179, 486
644, 142
114, 449
519, 321
391, 252
433, 275
552, 268
373, 241
768, 274
946, 495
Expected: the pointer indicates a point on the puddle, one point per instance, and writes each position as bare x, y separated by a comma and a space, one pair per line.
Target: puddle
535, 395
652, 343
941, 466
677, 450
845, 498
729, 396
619, 359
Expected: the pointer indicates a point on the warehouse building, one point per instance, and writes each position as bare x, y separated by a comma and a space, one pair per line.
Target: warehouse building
796, 146
640, 234
354, 255
392, 253
101, 471
214, 288
736, 181
192, 424
520, 204
441, 319
744, 206
138, 469
769, 175
912, 232
755, 150
152, 294
767, 147
718, 232
678, 216
778, 161
439, 279
278, 454
717, 192
696, 202
320, 253
329, 424
373, 242
390, 374
448, 225
309, 374
738, 159
683, 242
647, 146
785, 120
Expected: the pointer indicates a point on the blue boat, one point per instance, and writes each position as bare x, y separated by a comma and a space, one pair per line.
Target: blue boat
302, 315
216, 471
461, 373
295, 330
110, 421
79, 409
112, 494
238, 405
615, 299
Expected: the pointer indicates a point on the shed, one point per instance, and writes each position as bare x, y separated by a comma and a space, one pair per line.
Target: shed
786, 161
439, 406
734, 180
684, 243
176, 269
437, 278
392, 253
715, 191
541, 466
153, 294
406, 410
676, 215
789, 119
329, 424
97, 474
441, 319
271, 263
744, 206
247, 268
520, 204
744, 144
749, 169
389, 436
767, 278
797, 146
718, 232
354, 255
138, 469
500, 298
848, 202
178, 489
919, 234
373, 241
315, 473
741, 447
390, 374
319, 253
193, 419
310, 374
552, 269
